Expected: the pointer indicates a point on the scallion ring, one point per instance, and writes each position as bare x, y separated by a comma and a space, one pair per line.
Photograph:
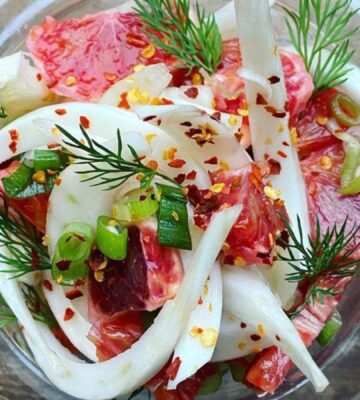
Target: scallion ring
345, 110
46, 159
112, 238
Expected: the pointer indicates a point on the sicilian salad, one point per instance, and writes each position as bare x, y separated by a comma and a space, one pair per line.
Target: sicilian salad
179, 195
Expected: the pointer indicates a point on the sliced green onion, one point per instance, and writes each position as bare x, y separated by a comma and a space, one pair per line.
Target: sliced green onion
76, 242
46, 159
211, 384
18, 181
330, 330
351, 164
112, 238
345, 110
238, 372
352, 188
173, 224
136, 206
67, 273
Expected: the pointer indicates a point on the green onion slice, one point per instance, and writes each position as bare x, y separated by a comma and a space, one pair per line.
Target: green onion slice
67, 273
46, 159
137, 205
345, 110
18, 181
351, 164
76, 242
352, 188
173, 224
112, 238
211, 384
330, 330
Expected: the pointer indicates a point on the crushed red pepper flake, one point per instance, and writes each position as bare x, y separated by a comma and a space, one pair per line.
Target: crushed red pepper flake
274, 79
177, 163
39, 77
123, 103
69, 314
13, 147
60, 111
173, 369
58, 181
243, 325
14, 134
212, 161
277, 337
48, 285
180, 178
74, 294
149, 118
282, 154
275, 166
186, 123
63, 265
260, 100
191, 175
255, 337
192, 92
84, 121
200, 301
53, 146
285, 143
216, 116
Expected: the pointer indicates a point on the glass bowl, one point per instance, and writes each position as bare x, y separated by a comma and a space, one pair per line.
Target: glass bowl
340, 359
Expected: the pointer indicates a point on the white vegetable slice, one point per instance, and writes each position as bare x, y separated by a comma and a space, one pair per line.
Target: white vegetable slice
148, 82
201, 136
235, 339
191, 348
21, 87
134, 367
269, 130
248, 298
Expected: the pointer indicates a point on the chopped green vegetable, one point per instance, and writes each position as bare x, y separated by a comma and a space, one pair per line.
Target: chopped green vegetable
18, 181
352, 188
112, 238
46, 159
350, 166
173, 224
330, 330
238, 372
211, 384
345, 110
67, 273
136, 206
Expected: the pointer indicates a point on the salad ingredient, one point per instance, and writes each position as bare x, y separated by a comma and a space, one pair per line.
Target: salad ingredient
104, 163
46, 159
330, 330
260, 307
67, 273
7, 317
211, 384
332, 32
352, 188
18, 181
137, 205
173, 225
145, 358
200, 96
82, 58
345, 110
169, 24
199, 340
22, 88
21, 241
76, 242
111, 238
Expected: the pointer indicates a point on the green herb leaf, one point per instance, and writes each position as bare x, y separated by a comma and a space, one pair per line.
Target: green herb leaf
171, 28
3, 113
108, 168
332, 34
7, 317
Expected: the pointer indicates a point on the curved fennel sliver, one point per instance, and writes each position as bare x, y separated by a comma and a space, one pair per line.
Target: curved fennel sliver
248, 298
269, 132
134, 367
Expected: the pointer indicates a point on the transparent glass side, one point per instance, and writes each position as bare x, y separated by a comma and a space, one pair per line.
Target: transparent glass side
340, 359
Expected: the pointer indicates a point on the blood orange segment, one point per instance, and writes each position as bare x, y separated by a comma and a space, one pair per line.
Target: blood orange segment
81, 58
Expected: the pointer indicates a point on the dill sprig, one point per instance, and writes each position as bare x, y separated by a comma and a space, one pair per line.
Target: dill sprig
332, 35
7, 317
327, 255
171, 28
3, 112
21, 240
109, 168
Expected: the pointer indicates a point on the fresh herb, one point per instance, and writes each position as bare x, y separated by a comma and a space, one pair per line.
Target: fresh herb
3, 113
7, 317
170, 26
108, 168
328, 255
21, 240
332, 35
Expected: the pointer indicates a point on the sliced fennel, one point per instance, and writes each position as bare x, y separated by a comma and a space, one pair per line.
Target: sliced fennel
21, 87
140, 87
259, 307
201, 96
134, 367
269, 129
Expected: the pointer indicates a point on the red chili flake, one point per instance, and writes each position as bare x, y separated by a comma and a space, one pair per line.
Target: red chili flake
260, 100
266, 156
180, 178
277, 338
135, 40
63, 265
158, 122
274, 79
279, 114
173, 369
143, 197
13, 147
53, 146
167, 102
271, 109
275, 166
255, 337
38, 77
57, 181
191, 175
14, 135
80, 282
35, 259
282, 154
186, 123
123, 103
212, 161
149, 118
239, 136
48, 285
192, 92
200, 301
60, 111
84, 122
243, 325
216, 116
69, 313
286, 144
74, 294
177, 163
